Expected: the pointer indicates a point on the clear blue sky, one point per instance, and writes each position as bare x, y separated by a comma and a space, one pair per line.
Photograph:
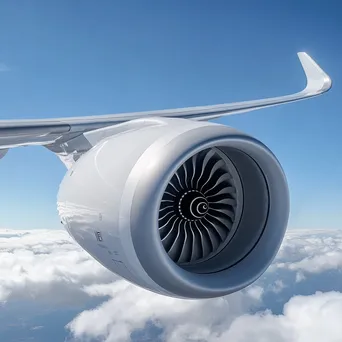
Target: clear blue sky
68, 58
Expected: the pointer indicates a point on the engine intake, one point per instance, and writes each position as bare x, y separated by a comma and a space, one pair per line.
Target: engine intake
201, 208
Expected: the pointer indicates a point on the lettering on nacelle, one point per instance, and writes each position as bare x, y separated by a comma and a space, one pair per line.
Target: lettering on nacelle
98, 236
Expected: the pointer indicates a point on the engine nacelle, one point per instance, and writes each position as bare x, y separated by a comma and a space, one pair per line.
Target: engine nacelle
183, 208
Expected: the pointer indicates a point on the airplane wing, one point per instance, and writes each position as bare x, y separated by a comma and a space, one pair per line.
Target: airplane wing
52, 132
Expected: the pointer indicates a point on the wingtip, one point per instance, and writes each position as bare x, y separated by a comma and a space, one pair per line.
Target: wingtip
318, 81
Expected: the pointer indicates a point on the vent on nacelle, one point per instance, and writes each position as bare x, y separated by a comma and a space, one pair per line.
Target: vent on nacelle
200, 208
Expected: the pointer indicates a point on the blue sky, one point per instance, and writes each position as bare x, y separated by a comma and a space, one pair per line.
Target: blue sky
69, 58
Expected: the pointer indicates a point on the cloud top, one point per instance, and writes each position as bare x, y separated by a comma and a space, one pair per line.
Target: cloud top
298, 299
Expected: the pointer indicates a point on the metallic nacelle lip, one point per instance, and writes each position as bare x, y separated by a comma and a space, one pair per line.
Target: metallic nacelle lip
183, 283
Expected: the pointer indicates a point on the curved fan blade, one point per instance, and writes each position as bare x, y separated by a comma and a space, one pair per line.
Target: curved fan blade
198, 208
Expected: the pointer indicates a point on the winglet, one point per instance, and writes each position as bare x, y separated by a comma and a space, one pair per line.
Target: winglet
318, 81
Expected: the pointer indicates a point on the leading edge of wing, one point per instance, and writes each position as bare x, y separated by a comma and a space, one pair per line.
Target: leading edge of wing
318, 82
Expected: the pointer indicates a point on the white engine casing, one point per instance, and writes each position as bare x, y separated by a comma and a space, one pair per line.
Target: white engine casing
109, 202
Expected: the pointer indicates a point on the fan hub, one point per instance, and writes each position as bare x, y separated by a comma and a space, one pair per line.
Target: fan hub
193, 205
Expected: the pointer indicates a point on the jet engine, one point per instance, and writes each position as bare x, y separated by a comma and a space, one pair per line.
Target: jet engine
183, 208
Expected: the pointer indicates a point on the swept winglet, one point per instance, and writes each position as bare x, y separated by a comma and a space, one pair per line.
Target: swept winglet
318, 81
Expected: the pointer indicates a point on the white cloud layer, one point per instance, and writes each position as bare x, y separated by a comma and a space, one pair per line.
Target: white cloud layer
46, 265
310, 252
298, 299
131, 308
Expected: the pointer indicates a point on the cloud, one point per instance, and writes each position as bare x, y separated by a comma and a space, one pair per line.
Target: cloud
311, 253
131, 309
46, 266
298, 299
4, 67
314, 318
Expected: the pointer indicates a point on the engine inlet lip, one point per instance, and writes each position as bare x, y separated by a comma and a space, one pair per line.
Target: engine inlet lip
161, 269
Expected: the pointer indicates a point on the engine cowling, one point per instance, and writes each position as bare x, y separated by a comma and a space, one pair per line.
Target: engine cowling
182, 208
